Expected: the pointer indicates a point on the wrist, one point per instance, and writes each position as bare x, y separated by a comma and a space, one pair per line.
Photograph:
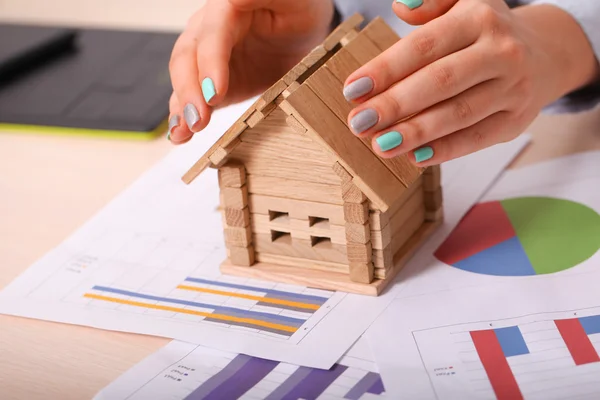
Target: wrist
568, 62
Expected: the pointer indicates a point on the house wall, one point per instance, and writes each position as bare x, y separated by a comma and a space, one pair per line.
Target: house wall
294, 196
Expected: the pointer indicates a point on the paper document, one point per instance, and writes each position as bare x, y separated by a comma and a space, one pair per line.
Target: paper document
185, 371
148, 263
510, 310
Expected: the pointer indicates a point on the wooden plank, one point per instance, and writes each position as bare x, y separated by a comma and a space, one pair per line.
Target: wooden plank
358, 233
432, 178
356, 213
359, 253
236, 217
381, 239
362, 273
342, 64
295, 125
232, 175
383, 259
403, 199
238, 237
340, 31
299, 229
378, 220
297, 190
436, 215
412, 205
329, 252
314, 56
254, 118
342, 173
362, 49
312, 265
370, 175
297, 209
294, 73
352, 194
204, 162
400, 237
351, 35
381, 34
271, 94
235, 197
242, 256
433, 200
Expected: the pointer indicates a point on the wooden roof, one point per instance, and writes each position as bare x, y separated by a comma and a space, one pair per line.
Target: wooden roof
311, 94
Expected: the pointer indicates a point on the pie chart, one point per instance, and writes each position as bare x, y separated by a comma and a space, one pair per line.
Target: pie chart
522, 236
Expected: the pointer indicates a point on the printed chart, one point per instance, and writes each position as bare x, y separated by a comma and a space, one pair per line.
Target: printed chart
545, 356
522, 236
184, 371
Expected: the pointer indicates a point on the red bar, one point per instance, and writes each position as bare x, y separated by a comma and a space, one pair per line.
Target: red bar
496, 366
581, 348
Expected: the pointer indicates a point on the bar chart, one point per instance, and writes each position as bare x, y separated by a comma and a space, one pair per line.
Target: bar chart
544, 356
185, 371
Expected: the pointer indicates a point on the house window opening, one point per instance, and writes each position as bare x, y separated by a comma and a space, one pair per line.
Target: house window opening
278, 215
320, 241
278, 236
322, 222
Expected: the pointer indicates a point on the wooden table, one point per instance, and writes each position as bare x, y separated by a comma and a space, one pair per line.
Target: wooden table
49, 186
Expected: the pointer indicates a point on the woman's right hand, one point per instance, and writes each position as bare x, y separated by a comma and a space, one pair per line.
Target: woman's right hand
232, 50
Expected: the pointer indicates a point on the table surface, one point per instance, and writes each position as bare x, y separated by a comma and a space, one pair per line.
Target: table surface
50, 185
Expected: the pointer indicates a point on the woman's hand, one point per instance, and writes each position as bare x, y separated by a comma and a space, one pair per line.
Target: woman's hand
234, 49
473, 77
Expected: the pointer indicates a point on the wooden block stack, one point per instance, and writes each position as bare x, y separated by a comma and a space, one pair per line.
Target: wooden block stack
236, 214
358, 230
432, 189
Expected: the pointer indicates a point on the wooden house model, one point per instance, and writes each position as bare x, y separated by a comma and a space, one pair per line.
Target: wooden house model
303, 199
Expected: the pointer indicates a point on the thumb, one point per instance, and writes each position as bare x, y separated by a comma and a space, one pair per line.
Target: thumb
419, 12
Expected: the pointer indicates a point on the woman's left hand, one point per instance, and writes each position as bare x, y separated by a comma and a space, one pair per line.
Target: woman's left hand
473, 77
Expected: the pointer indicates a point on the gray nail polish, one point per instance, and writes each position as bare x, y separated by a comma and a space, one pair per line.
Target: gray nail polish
364, 120
191, 115
173, 122
358, 88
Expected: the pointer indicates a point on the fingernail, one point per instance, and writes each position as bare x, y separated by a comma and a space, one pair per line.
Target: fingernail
412, 4
190, 113
423, 154
358, 88
208, 89
364, 120
173, 123
389, 141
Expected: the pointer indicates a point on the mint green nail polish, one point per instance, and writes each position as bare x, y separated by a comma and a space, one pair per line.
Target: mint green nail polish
412, 4
389, 140
423, 154
208, 89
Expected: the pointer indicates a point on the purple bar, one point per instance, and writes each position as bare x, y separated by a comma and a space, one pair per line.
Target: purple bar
377, 387
315, 382
370, 383
239, 376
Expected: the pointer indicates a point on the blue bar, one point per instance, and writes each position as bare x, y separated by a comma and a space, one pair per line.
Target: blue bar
512, 341
591, 324
216, 309
276, 293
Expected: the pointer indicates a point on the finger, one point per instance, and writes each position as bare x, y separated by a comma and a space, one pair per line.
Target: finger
178, 131
497, 128
420, 48
419, 12
443, 119
433, 84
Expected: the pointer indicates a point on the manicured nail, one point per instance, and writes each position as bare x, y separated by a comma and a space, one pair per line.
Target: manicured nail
191, 115
423, 154
412, 4
173, 123
364, 120
389, 141
208, 89
358, 88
